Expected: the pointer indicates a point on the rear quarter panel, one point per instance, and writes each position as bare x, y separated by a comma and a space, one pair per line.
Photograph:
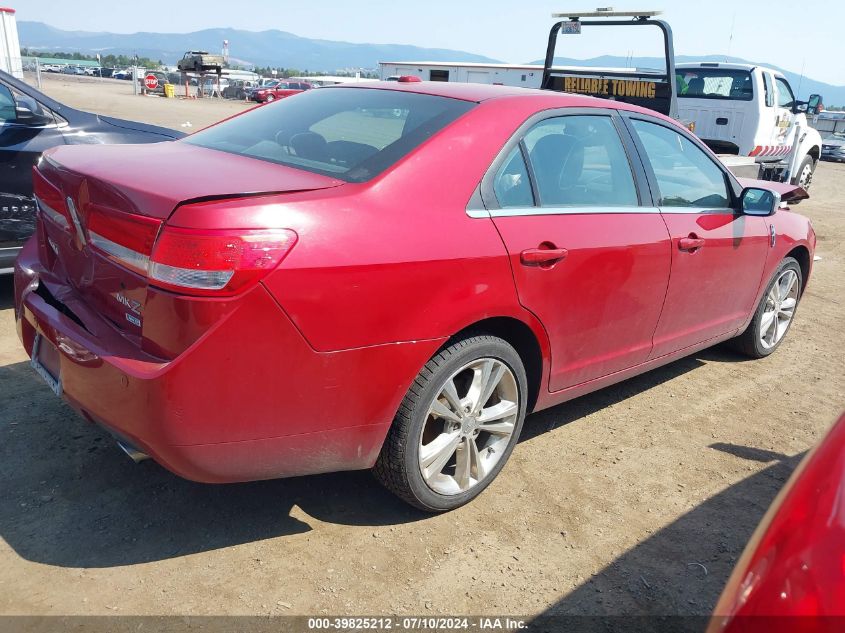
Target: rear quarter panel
397, 258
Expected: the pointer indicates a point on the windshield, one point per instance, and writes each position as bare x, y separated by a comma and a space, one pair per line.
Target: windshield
348, 133
715, 83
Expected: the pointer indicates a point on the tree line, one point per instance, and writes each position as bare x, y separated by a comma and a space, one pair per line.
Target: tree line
109, 61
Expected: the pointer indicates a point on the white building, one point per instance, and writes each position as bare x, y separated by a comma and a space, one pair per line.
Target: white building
327, 80
527, 76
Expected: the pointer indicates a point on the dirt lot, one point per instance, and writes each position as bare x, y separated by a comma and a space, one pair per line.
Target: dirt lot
115, 97
602, 509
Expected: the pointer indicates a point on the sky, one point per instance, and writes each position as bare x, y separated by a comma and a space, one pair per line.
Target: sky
792, 35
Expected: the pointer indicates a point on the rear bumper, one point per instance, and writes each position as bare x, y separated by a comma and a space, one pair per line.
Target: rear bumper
249, 400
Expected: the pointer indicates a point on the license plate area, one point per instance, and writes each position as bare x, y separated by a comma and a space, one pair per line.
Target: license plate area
45, 361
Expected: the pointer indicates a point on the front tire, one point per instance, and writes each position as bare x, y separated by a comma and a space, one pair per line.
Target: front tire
804, 177
457, 425
775, 312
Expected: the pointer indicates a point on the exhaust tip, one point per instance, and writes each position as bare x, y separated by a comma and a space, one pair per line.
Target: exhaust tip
134, 454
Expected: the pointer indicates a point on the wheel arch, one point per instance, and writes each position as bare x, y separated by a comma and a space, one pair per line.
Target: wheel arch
523, 338
802, 255
815, 152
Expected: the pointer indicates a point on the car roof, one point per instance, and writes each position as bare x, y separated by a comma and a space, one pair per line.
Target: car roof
486, 92
463, 91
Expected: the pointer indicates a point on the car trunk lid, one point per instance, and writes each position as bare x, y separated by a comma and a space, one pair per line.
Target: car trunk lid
105, 206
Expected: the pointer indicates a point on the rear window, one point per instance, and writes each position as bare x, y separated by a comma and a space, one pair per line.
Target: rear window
715, 83
348, 133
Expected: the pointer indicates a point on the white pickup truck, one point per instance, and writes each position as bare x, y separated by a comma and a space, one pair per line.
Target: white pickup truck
751, 111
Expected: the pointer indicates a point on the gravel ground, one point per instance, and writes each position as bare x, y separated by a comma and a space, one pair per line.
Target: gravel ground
637, 499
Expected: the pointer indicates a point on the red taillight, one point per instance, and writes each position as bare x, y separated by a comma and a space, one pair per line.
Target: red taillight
189, 261
125, 238
49, 199
409, 79
216, 262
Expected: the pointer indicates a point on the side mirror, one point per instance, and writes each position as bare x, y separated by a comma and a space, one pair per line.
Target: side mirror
760, 202
25, 116
814, 104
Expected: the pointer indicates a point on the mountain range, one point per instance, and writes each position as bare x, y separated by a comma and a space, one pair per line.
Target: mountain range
263, 48
283, 49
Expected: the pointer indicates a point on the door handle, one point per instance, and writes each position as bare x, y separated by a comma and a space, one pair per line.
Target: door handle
691, 243
543, 257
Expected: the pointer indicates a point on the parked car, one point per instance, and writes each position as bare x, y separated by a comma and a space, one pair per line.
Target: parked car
790, 577
93, 71
31, 122
106, 72
279, 90
262, 83
199, 61
833, 147
125, 74
237, 88
386, 292
210, 84
72, 70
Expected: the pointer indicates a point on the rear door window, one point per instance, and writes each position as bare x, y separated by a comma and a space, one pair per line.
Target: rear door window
580, 161
512, 185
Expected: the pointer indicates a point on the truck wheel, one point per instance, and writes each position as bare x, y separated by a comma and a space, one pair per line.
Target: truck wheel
457, 425
804, 176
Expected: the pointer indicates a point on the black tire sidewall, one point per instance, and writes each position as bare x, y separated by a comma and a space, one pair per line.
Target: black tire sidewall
482, 347
754, 326
808, 160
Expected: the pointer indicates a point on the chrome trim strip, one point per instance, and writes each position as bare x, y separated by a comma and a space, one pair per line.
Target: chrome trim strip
125, 255
574, 210
80, 234
51, 213
6, 271
697, 211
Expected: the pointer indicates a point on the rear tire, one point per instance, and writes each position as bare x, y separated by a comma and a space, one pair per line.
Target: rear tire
437, 455
770, 324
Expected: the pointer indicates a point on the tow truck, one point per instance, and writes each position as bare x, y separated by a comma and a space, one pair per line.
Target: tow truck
748, 115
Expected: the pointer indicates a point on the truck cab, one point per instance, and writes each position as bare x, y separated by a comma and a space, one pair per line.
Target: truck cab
752, 111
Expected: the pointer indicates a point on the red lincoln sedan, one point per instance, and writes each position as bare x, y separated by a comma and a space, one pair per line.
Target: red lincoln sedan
390, 276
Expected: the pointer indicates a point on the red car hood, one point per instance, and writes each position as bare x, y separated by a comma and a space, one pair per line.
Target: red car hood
154, 178
788, 192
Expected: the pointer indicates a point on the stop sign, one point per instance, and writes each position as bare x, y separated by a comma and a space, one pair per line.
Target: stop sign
151, 82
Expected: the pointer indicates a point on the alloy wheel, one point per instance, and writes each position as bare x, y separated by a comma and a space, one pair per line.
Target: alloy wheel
806, 177
468, 426
780, 308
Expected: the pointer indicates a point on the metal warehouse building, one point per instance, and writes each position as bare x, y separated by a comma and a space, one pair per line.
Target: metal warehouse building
527, 76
